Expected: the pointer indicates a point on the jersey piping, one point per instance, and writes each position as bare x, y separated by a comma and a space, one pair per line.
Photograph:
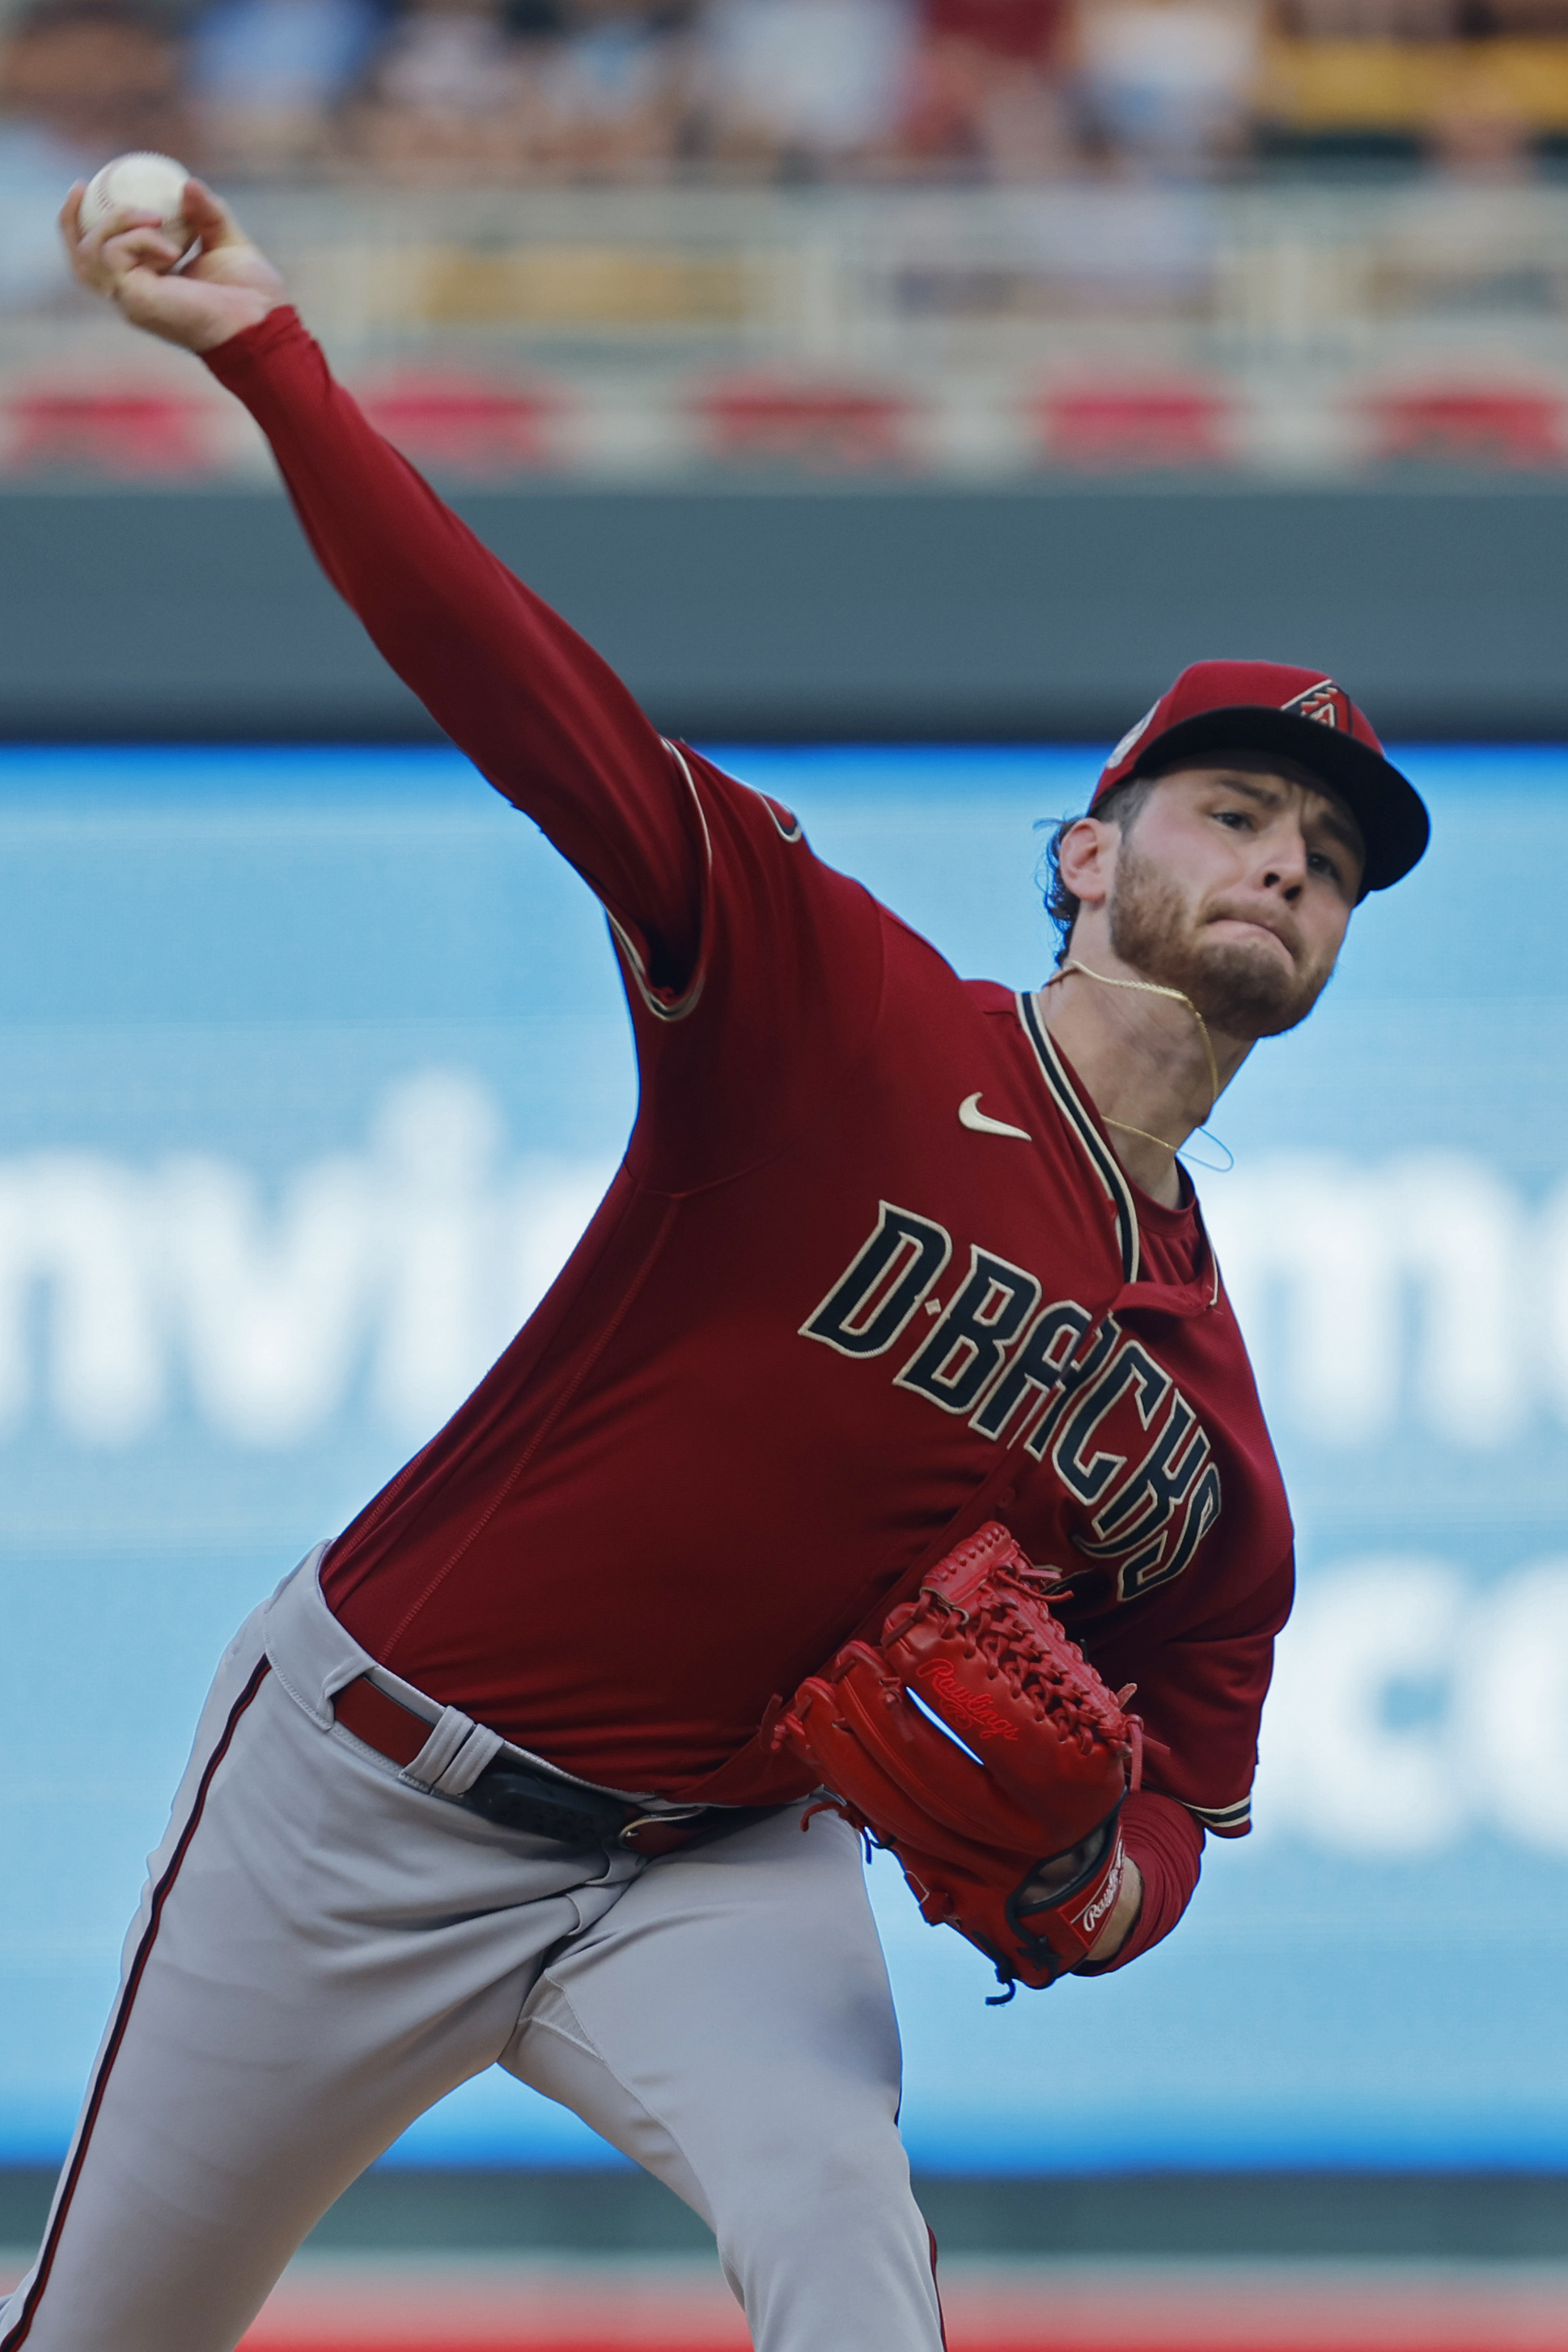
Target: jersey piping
1103, 1161
1224, 1820
665, 1008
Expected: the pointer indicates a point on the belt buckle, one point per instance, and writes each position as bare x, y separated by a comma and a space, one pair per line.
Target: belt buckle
627, 1834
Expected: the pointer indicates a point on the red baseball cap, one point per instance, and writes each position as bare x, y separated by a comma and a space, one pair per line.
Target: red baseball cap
1232, 706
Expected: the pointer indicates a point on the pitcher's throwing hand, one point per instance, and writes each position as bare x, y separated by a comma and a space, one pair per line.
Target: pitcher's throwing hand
227, 284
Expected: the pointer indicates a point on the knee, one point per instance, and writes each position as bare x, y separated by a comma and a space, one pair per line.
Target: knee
802, 2191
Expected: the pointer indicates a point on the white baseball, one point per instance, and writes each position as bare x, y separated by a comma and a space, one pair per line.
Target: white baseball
144, 182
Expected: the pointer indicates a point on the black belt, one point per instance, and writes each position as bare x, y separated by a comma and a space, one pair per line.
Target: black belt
517, 1795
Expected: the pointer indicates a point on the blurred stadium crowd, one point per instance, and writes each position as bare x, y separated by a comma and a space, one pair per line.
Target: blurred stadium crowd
582, 92
975, 238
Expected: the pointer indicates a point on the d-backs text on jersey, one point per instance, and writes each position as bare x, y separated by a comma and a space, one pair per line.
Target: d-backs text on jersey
1068, 1390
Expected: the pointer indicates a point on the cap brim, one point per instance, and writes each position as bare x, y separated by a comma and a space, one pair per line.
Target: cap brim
1394, 825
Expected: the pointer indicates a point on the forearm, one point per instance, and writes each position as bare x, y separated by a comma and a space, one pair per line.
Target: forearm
1165, 1854
536, 709
1204, 1692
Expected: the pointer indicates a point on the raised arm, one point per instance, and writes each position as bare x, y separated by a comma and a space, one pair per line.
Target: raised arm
535, 708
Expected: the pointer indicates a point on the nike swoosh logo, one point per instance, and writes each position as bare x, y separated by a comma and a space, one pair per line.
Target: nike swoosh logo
970, 1114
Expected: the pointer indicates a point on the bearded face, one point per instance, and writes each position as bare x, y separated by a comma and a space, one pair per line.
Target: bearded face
1244, 987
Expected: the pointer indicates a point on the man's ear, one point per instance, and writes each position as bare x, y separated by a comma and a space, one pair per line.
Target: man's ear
1086, 859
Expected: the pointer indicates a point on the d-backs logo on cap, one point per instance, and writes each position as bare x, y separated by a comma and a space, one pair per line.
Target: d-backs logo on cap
1326, 704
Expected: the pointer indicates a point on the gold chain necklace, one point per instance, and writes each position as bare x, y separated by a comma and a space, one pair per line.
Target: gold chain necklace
1126, 1128
1152, 988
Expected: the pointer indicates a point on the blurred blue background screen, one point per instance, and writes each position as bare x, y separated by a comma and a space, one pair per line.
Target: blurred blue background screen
313, 1066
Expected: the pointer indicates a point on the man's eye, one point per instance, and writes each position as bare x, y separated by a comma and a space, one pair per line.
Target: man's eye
1237, 818
1321, 864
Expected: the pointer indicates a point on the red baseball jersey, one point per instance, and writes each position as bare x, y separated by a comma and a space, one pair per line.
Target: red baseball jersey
870, 1273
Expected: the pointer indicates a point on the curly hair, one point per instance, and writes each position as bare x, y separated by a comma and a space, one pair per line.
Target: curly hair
1120, 807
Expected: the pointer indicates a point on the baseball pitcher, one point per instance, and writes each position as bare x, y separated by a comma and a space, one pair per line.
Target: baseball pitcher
886, 1461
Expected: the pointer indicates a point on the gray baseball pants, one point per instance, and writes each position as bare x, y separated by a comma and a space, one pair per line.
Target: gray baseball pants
325, 1947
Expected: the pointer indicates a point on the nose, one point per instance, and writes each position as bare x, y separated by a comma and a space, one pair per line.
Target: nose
1284, 872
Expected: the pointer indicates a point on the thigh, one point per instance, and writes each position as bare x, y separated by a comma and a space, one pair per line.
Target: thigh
729, 2026
739, 1981
321, 1952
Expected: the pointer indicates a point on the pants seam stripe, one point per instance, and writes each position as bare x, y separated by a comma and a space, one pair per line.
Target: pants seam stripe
13, 2339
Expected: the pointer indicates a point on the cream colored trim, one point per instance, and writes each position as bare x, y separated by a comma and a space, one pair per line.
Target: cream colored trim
635, 964
1100, 1158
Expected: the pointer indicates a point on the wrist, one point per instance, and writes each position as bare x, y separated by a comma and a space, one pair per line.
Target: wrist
1076, 1904
1124, 1917
246, 310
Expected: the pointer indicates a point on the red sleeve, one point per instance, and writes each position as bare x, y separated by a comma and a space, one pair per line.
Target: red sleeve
1201, 1688
1200, 1693
1167, 1845
753, 970
535, 708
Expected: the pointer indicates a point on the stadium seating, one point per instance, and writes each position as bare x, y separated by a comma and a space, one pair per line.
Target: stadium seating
758, 418
1452, 423
1114, 422
464, 423
123, 429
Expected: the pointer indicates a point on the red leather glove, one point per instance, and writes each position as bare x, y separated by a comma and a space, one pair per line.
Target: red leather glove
1025, 1767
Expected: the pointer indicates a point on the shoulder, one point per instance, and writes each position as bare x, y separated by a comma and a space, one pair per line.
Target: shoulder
991, 997
717, 793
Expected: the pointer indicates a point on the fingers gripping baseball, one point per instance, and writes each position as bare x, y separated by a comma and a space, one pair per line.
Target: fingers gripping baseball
226, 284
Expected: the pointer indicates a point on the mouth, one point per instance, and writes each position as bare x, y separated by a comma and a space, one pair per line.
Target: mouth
1240, 929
